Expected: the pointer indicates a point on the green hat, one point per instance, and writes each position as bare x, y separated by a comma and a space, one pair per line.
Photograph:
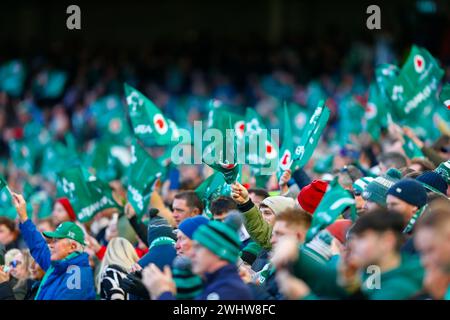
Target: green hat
221, 238
67, 230
444, 170
376, 190
360, 184
250, 252
188, 284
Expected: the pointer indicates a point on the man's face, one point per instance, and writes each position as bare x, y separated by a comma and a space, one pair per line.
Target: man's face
256, 199
434, 247
60, 248
6, 236
370, 205
59, 214
407, 210
281, 229
365, 249
183, 244
181, 211
202, 259
267, 214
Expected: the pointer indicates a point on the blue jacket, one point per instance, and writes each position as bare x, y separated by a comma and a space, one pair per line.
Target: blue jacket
223, 284
68, 279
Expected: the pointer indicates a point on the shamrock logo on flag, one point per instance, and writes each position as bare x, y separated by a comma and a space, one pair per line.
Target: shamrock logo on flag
68, 187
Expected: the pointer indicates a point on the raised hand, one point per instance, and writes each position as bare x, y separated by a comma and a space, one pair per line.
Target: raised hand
157, 282
239, 193
21, 206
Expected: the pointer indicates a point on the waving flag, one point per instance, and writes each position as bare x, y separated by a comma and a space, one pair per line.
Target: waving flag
86, 193
415, 87
287, 148
12, 77
143, 172
149, 124
311, 135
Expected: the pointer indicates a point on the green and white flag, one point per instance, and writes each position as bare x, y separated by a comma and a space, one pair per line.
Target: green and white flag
351, 115
262, 150
24, 154
287, 148
86, 193
221, 154
335, 201
415, 87
444, 96
311, 135
149, 124
50, 84
110, 118
411, 149
12, 77
213, 187
142, 174
375, 116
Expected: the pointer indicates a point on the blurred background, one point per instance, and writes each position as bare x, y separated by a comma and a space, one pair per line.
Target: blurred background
182, 54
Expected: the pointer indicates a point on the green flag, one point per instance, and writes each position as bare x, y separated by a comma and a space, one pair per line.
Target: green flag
375, 116
107, 160
86, 193
213, 187
221, 154
56, 157
12, 77
149, 124
416, 85
287, 147
142, 174
444, 96
50, 83
24, 155
411, 149
110, 118
311, 135
351, 114
262, 150
333, 203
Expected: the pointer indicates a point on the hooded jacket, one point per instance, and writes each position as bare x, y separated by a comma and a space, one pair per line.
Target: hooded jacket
67, 279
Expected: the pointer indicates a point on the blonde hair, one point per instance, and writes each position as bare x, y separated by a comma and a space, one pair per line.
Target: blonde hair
119, 252
9, 257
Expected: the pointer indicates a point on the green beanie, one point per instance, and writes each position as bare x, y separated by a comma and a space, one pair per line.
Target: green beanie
360, 184
444, 170
188, 284
221, 238
250, 252
376, 190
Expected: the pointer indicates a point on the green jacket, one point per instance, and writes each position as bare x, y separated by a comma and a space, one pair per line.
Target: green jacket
258, 228
400, 283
